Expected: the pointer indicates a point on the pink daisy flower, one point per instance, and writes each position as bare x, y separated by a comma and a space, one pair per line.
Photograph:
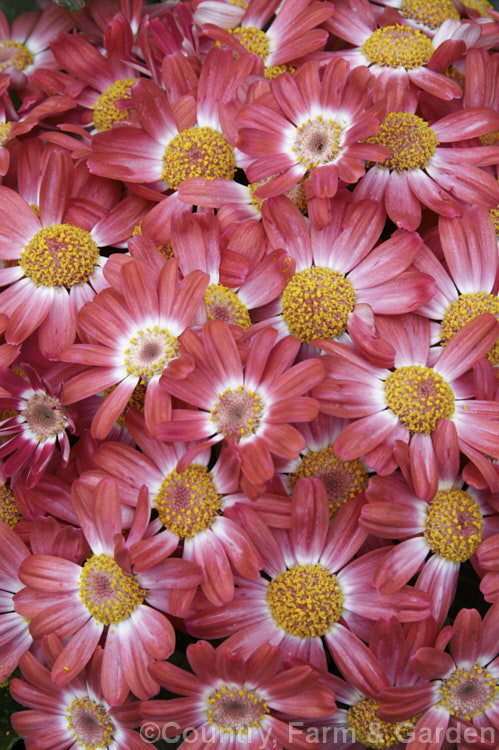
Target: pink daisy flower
105, 599
133, 336
461, 690
74, 716
230, 699
407, 403
59, 266
312, 123
311, 588
251, 406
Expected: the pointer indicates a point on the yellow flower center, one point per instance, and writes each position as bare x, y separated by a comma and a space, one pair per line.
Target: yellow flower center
60, 255
9, 512
106, 113
455, 75
44, 415
468, 692
343, 480
490, 139
237, 412
240, 3
198, 152
419, 397
494, 215
453, 525
373, 732
136, 400
429, 13
316, 303
149, 352
464, 309
188, 502
109, 594
252, 39
5, 128
224, 304
273, 71
233, 709
305, 600
14, 55
318, 141
398, 46
89, 724
409, 138
482, 6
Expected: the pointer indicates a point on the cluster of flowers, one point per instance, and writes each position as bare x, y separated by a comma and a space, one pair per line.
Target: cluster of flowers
248, 383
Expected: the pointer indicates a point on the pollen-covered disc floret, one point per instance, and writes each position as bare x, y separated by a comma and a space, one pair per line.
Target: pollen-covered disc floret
238, 412
14, 55
318, 141
198, 152
234, 709
371, 731
398, 46
60, 255
45, 415
482, 6
5, 128
316, 303
305, 600
89, 724
419, 397
149, 351
409, 138
453, 525
109, 594
9, 512
468, 692
106, 113
429, 13
466, 308
223, 303
342, 479
254, 40
188, 502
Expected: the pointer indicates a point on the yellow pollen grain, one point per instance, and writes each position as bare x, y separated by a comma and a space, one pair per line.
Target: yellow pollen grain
318, 141
234, 709
455, 75
305, 600
419, 397
494, 215
149, 351
490, 139
60, 255
410, 139
106, 113
109, 594
5, 128
466, 308
373, 732
468, 692
188, 502
89, 724
482, 6
9, 512
342, 479
223, 303
198, 152
273, 71
398, 46
316, 304
430, 13
252, 39
15, 55
453, 525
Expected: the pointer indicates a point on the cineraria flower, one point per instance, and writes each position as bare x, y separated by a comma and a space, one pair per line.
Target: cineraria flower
249, 406
312, 123
311, 588
132, 338
56, 249
341, 276
462, 688
104, 599
235, 701
405, 57
292, 33
74, 716
40, 423
407, 403
427, 15
426, 168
